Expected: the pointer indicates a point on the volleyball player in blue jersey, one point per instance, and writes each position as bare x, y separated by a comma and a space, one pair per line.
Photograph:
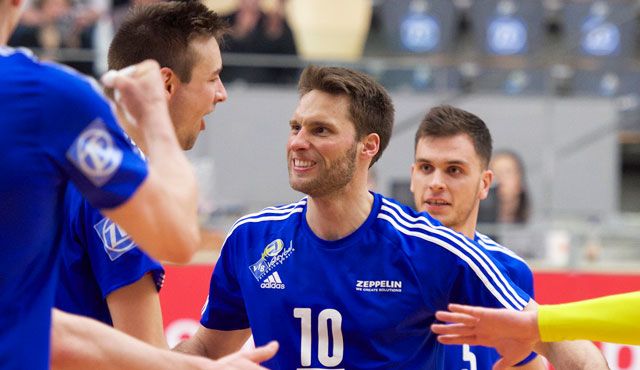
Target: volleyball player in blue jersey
55, 128
104, 275
344, 278
449, 178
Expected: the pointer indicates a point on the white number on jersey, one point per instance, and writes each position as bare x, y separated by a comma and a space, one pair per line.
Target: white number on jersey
325, 316
469, 356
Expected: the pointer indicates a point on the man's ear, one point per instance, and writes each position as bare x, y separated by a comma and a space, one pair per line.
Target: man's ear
485, 183
170, 80
370, 145
413, 168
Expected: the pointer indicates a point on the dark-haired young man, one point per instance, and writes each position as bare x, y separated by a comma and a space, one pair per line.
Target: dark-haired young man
449, 177
104, 275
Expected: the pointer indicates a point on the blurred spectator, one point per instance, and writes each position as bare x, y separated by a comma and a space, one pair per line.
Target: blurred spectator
52, 25
513, 199
254, 31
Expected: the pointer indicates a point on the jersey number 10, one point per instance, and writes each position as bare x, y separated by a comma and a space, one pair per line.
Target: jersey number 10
327, 319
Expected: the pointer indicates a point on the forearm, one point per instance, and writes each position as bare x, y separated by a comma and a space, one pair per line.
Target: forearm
177, 198
192, 346
214, 344
573, 355
81, 343
609, 319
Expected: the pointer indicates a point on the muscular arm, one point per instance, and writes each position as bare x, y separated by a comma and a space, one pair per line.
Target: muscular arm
161, 216
81, 343
135, 310
214, 343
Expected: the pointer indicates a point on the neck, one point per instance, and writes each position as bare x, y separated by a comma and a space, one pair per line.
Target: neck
9, 14
468, 229
132, 131
335, 216
5, 30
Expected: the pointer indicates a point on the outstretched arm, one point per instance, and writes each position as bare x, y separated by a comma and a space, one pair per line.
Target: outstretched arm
514, 334
214, 343
81, 343
613, 318
161, 216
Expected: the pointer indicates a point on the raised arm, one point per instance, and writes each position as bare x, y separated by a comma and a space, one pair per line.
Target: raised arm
161, 216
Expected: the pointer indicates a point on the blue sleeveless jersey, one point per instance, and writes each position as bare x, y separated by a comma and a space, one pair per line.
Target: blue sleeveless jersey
54, 126
478, 357
362, 302
98, 258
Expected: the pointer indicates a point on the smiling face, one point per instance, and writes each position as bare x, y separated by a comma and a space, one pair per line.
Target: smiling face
448, 180
322, 147
190, 101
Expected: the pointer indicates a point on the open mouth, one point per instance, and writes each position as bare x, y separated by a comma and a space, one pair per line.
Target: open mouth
301, 164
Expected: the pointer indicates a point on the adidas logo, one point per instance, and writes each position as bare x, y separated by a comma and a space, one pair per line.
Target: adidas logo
272, 282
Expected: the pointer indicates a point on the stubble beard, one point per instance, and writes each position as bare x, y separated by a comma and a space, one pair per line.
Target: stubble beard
331, 179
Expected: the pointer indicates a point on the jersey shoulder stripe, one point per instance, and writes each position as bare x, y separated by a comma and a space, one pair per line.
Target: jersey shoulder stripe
421, 227
270, 214
7, 51
489, 244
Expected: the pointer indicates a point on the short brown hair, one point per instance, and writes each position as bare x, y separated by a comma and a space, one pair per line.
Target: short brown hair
445, 121
163, 31
370, 107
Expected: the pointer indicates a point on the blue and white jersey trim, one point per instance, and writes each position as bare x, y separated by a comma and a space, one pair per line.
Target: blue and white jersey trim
6, 51
491, 245
270, 214
483, 266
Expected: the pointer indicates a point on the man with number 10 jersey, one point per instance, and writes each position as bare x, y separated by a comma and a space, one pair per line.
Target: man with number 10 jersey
344, 278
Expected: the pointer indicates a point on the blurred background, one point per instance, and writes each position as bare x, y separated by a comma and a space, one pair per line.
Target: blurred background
556, 81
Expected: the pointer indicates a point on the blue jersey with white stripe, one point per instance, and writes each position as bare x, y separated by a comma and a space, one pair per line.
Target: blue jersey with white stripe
54, 126
479, 357
98, 258
365, 301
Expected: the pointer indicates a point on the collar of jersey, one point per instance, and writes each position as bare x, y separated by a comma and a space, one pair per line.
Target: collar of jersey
348, 240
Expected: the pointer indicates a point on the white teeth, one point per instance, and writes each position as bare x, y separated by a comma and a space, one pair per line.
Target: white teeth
302, 163
437, 202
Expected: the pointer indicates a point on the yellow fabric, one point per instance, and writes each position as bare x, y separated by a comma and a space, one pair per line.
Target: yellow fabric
613, 319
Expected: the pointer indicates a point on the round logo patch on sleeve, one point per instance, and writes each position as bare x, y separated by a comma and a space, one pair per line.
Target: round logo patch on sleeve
95, 154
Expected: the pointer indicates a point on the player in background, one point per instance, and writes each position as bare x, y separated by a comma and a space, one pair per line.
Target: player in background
344, 278
449, 177
614, 318
56, 128
104, 275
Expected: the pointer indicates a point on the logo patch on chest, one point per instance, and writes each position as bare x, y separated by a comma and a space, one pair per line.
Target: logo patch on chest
382, 286
272, 282
273, 255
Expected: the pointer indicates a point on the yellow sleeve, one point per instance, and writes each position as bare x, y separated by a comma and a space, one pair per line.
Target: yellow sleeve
613, 318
